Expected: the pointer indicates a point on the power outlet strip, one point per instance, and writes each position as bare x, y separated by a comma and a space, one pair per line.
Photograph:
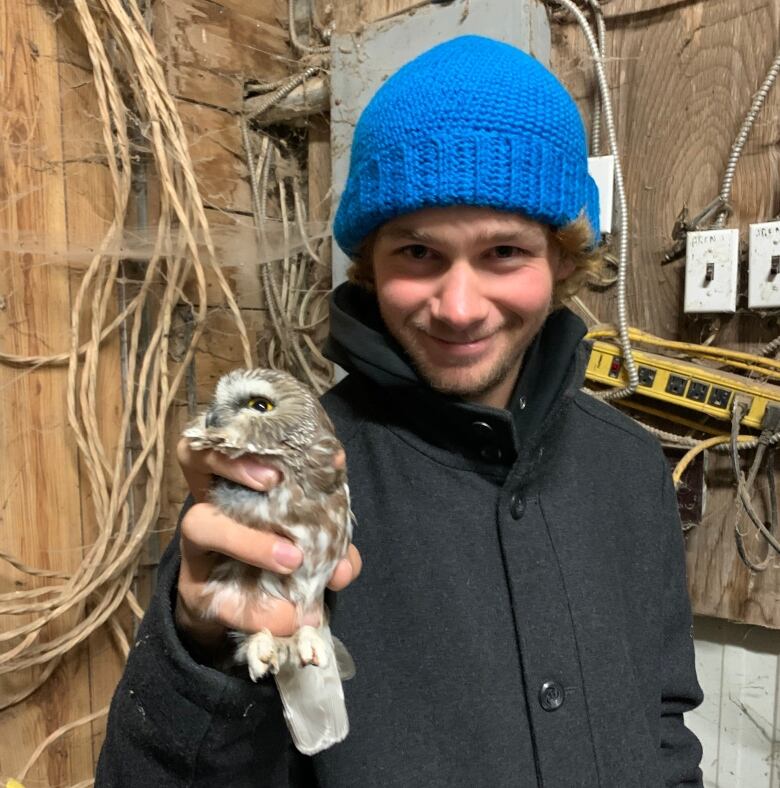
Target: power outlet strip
683, 383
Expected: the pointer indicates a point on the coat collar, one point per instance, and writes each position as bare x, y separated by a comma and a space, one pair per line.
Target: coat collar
451, 431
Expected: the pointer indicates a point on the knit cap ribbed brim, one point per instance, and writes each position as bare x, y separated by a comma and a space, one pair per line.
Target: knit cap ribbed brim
472, 121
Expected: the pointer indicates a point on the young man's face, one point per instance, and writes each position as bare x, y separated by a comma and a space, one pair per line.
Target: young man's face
465, 290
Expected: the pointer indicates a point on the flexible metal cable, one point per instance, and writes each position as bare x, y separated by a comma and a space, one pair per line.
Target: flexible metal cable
622, 230
601, 34
739, 142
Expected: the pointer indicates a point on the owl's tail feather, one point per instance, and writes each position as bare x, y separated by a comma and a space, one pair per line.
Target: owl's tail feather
313, 701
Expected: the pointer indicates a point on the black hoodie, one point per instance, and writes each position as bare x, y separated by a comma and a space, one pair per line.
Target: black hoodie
521, 620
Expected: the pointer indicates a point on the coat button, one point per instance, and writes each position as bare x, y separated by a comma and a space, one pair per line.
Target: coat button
482, 430
551, 695
517, 506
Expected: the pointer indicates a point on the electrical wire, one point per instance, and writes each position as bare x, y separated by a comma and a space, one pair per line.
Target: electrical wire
741, 139
601, 35
745, 486
299, 47
622, 201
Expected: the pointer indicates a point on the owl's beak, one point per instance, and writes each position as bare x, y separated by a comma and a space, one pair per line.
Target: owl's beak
211, 419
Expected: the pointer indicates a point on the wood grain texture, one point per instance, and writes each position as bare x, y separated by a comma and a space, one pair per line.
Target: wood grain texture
682, 77
351, 15
40, 519
211, 48
89, 209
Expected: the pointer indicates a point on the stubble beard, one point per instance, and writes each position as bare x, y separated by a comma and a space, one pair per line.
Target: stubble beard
461, 380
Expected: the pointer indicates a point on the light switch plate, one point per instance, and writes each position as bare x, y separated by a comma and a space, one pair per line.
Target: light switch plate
711, 271
602, 170
764, 275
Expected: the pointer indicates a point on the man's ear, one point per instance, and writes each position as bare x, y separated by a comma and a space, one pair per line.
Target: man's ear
564, 267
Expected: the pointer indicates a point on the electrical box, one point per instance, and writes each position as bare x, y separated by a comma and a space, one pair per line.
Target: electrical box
711, 271
764, 276
602, 170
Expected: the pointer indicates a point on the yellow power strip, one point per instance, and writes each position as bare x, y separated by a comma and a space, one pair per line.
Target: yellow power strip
683, 383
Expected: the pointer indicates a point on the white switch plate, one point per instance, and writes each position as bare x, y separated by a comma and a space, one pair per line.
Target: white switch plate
763, 286
711, 270
602, 170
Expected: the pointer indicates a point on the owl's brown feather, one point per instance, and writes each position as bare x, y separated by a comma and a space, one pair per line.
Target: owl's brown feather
272, 416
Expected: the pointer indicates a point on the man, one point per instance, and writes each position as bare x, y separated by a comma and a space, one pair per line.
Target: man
522, 618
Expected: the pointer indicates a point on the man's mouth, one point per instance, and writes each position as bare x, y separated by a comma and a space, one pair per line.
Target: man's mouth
460, 346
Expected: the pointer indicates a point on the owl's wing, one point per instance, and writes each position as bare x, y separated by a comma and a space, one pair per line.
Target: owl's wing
319, 459
344, 661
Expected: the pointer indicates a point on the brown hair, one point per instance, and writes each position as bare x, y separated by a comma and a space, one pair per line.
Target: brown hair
573, 241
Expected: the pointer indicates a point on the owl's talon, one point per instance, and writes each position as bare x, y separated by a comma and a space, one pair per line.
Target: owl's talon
261, 655
311, 647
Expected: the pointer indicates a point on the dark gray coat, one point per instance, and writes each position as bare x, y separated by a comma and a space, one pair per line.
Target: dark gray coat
521, 620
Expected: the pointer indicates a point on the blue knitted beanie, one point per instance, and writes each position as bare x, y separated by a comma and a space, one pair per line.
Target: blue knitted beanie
472, 121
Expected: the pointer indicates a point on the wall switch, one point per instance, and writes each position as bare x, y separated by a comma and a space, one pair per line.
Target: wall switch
711, 270
764, 276
602, 170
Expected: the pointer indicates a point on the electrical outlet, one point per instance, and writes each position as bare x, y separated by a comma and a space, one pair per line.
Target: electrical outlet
602, 170
764, 276
711, 269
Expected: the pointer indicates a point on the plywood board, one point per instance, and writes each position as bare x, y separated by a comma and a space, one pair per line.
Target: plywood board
737, 723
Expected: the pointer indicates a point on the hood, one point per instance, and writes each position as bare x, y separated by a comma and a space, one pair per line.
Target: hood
360, 343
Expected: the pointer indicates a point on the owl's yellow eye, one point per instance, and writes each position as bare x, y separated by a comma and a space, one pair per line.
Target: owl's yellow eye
263, 404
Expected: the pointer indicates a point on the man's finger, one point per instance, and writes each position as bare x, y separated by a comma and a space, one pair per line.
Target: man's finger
198, 468
205, 529
347, 570
276, 615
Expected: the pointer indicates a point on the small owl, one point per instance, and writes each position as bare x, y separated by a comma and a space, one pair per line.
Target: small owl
270, 414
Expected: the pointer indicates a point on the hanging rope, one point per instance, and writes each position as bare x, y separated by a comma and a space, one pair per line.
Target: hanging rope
89, 597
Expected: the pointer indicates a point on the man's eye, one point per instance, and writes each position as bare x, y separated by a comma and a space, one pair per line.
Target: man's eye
508, 251
417, 251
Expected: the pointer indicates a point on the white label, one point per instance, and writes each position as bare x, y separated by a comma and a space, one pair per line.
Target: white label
764, 276
602, 170
711, 270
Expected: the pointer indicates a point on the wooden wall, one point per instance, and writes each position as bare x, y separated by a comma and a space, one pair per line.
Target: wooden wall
56, 191
682, 75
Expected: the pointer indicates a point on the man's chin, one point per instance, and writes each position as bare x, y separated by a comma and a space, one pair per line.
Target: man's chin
460, 381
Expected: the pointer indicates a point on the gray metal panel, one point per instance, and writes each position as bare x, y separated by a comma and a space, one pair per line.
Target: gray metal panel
360, 63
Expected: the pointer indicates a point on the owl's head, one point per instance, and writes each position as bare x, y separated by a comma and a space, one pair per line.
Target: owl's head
257, 411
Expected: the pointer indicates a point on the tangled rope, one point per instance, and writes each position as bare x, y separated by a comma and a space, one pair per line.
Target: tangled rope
76, 604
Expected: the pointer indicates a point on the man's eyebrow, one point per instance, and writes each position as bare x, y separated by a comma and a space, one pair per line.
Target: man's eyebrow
408, 234
525, 235
496, 237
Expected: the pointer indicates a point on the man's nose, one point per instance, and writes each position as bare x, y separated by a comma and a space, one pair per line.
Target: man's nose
459, 301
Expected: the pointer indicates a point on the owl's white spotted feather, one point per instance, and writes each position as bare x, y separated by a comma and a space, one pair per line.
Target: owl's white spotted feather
270, 414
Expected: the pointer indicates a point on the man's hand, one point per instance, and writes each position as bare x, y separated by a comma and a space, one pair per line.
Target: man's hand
207, 534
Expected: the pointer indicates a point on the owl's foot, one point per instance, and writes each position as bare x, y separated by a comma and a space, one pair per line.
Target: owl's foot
312, 649
261, 654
